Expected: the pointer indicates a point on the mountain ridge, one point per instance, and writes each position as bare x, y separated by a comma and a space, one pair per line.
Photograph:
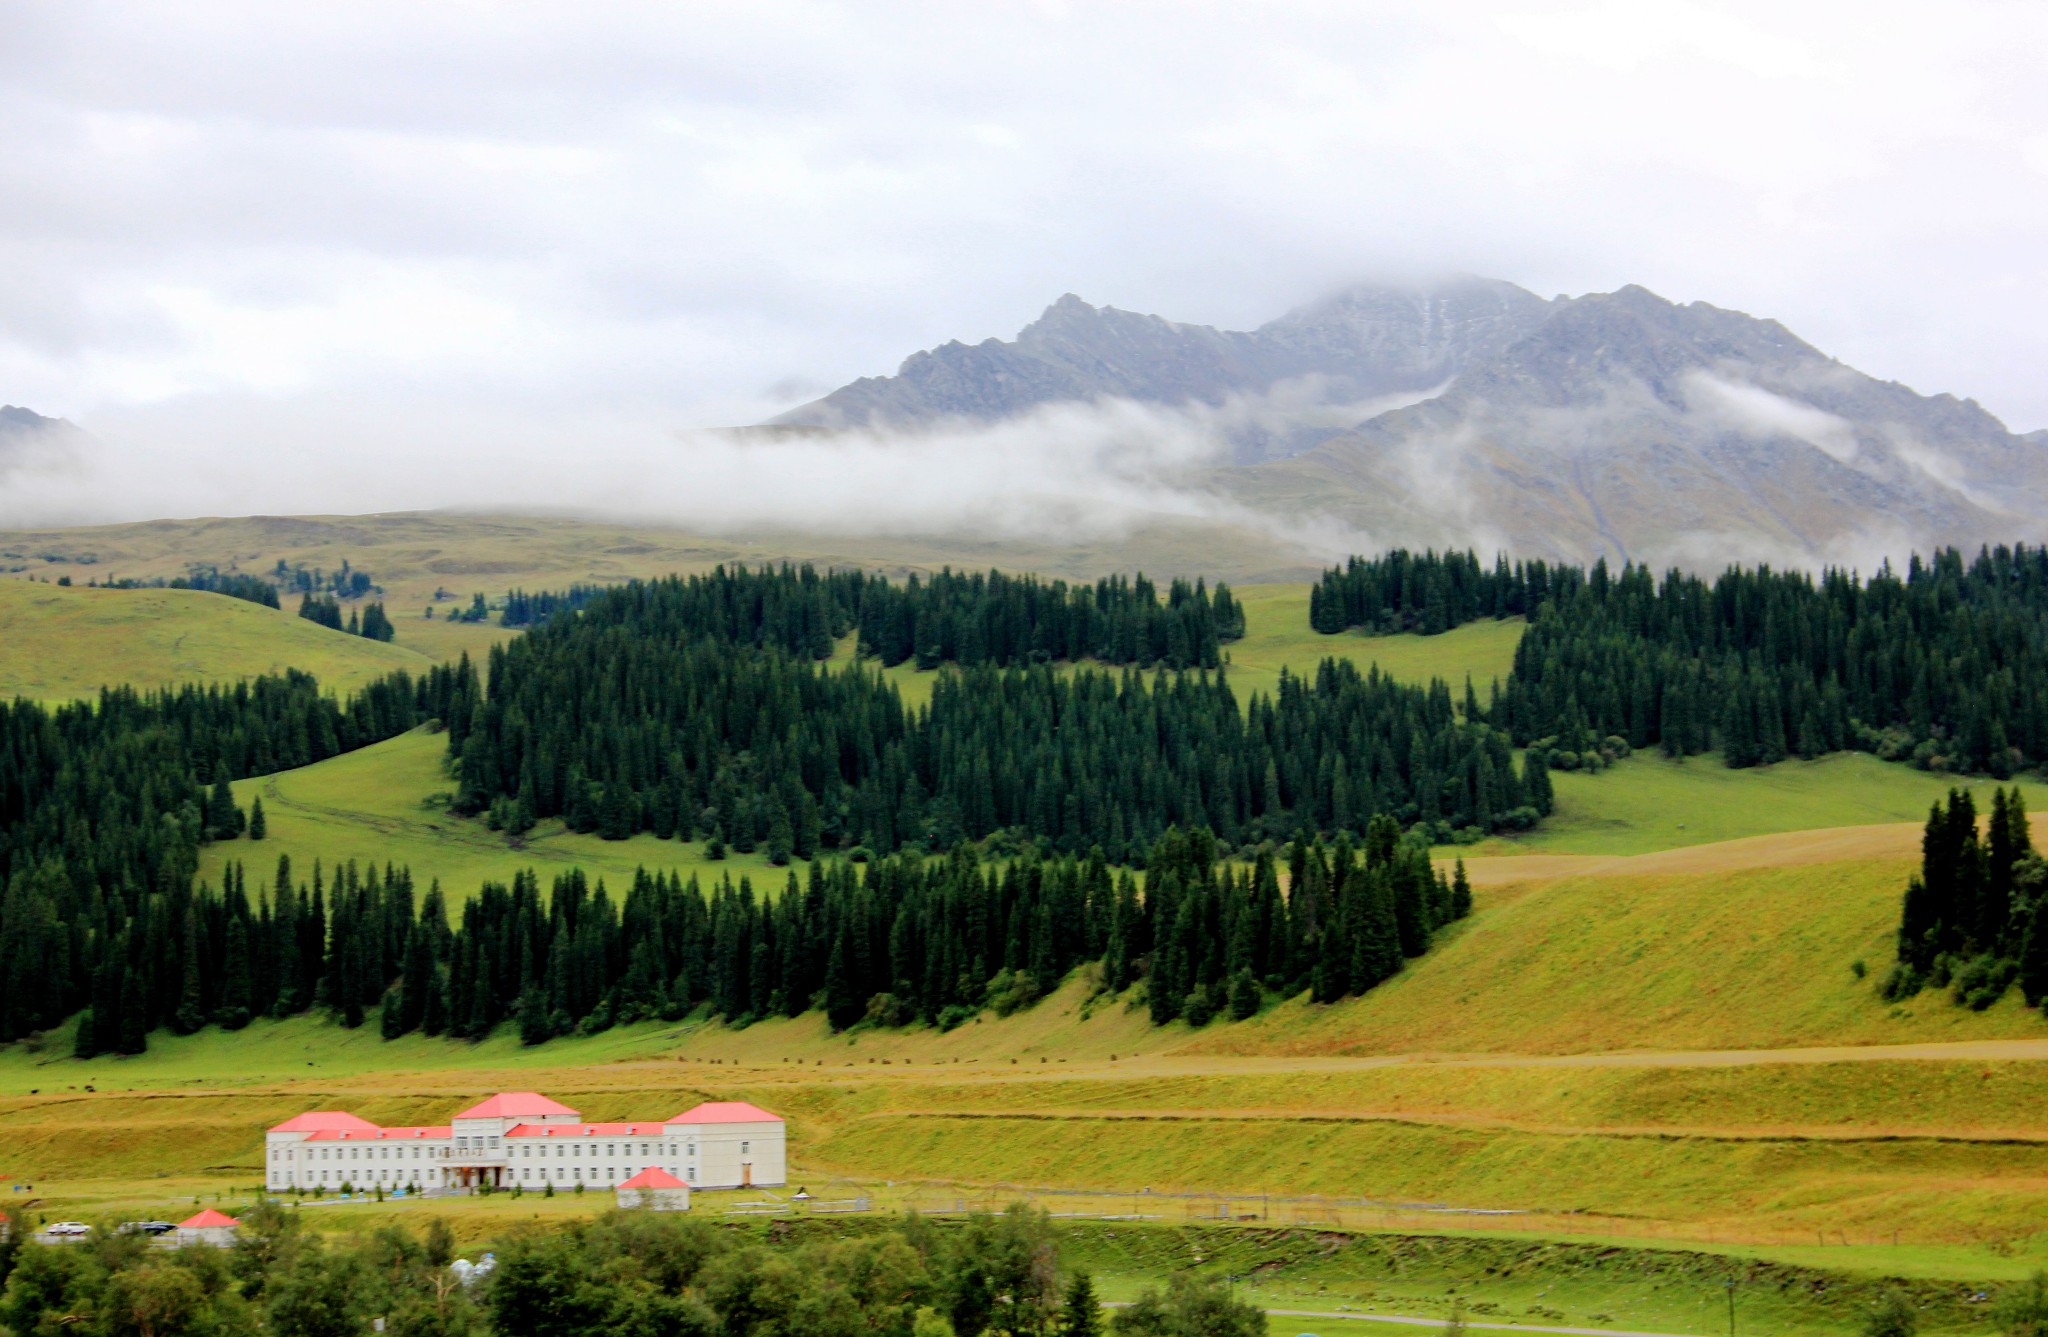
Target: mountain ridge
1610, 424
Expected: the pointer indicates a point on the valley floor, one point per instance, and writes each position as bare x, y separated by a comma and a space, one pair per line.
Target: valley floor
1659, 1032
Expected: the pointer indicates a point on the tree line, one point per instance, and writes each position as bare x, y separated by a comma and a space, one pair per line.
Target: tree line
907, 939
1944, 665
103, 808
951, 617
619, 726
1427, 592
974, 618
523, 609
250, 589
371, 623
892, 942
897, 940
631, 1273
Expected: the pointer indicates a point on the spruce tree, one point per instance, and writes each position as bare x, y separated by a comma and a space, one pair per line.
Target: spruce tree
237, 988
259, 828
135, 1018
2033, 954
1244, 995
534, 1024
223, 818
191, 1013
1081, 1312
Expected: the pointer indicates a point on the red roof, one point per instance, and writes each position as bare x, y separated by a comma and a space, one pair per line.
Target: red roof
207, 1220
517, 1105
586, 1130
316, 1121
375, 1134
654, 1177
726, 1111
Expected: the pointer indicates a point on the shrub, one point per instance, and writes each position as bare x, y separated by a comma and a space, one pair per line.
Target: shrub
1891, 1316
1011, 990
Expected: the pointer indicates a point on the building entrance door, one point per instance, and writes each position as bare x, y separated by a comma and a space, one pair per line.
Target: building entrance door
746, 1174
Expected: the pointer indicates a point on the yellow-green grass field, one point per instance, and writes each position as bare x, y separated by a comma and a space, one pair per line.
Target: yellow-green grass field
416, 555
388, 803
59, 643
1745, 959
1650, 802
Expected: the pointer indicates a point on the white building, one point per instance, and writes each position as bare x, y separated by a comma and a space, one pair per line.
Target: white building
521, 1138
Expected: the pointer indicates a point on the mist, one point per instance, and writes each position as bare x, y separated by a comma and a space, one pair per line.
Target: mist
1067, 473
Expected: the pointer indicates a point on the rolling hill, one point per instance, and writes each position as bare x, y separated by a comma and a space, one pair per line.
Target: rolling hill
62, 643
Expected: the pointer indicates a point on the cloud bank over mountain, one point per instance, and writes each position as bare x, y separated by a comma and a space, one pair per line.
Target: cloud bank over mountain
1615, 424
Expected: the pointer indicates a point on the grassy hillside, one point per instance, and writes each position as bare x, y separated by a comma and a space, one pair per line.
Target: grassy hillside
60, 643
388, 803
1750, 959
1650, 802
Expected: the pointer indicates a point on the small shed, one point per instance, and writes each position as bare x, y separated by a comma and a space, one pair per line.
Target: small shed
655, 1189
208, 1227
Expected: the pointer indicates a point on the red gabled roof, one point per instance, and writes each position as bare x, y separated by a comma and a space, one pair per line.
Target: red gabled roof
318, 1121
207, 1220
654, 1177
517, 1105
586, 1130
726, 1111
377, 1134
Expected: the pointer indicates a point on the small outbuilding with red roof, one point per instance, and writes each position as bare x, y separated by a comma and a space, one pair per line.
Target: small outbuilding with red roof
655, 1189
208, 1227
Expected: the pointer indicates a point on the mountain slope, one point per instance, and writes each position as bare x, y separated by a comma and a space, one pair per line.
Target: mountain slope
29, 439
1629, 426
1363, 344
1473, 412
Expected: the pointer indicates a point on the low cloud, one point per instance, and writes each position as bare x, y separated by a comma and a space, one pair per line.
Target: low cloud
1064, 473
1755, 411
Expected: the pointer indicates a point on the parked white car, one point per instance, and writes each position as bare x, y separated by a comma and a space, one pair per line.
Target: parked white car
68, 1228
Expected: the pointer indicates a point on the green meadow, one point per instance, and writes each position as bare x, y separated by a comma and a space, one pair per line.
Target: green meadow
60, 643
388, 803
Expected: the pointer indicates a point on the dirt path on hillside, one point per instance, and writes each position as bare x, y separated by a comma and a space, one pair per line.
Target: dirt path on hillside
1838, 844
1235, 1065
1408, 1320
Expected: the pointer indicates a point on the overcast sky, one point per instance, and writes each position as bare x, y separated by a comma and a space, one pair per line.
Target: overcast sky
389, 228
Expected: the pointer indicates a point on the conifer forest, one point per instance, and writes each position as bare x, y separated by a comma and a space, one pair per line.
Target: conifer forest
1085, 786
